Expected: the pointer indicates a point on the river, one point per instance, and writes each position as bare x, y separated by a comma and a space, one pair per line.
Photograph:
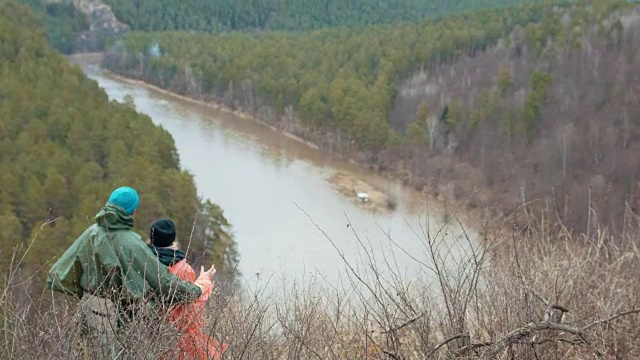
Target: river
273, 189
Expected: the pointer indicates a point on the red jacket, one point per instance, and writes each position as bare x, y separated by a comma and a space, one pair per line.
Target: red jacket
194, 343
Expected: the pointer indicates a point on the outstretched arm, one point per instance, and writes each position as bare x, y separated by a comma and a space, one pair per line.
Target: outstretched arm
167, 287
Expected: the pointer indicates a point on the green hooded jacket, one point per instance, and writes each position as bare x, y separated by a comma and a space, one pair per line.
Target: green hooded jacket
110, 260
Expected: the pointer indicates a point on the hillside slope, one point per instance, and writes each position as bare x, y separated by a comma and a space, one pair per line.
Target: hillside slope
550, 117
64, 147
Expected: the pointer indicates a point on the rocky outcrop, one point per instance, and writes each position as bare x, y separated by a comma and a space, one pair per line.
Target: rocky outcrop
103, 24
101, 18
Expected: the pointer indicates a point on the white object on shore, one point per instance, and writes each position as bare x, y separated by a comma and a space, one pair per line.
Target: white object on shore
363, 196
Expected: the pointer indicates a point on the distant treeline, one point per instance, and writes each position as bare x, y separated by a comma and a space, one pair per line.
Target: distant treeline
229, 15
338, 79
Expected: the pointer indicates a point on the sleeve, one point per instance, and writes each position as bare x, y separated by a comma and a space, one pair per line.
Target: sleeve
144, 275
184, 271
65, 274
64, 278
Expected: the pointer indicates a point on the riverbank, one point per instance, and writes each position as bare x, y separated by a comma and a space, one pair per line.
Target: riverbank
344, 182
439, 199
97, 57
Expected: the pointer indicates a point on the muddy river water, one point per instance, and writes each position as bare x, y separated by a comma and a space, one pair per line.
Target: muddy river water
273, 189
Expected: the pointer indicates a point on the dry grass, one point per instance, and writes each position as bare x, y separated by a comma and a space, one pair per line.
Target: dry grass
537, 293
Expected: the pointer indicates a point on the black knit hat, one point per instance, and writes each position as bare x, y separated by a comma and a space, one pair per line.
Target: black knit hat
162, 233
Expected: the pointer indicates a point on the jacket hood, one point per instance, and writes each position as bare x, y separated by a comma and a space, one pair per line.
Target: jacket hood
113, 217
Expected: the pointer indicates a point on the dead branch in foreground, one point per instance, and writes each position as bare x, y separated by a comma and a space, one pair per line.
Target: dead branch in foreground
515, 337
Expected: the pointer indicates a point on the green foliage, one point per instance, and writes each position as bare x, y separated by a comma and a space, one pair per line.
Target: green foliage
10, 237
531, 113
65, 147
509, 123
444, 117
532, 108
337, 79
344, 79
423, 112
540, 83
416, 134
225, 15
217, 243
534, 38
487, 107
62, 21
545, 39
504, 80
457, 115
129, 101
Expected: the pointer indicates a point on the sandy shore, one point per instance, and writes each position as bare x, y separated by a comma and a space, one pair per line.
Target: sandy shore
350, 186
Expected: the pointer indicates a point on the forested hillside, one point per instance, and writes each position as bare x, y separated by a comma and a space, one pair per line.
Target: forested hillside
339, 79
550, 117
340, 89
226, 15
64, 147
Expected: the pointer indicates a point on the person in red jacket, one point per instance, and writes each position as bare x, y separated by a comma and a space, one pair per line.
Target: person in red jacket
194, 343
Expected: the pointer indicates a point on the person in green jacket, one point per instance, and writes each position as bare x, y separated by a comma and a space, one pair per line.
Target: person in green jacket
111, 266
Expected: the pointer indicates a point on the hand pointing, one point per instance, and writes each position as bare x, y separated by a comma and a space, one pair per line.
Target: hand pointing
210, 273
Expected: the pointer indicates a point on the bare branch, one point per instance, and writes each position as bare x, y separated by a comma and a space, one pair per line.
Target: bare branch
472, 346
391, 355
516, 335
437, 347
610, 319
535, 293
405, 324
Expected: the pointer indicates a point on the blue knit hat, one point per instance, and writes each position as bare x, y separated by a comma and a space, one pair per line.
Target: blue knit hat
125, 197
